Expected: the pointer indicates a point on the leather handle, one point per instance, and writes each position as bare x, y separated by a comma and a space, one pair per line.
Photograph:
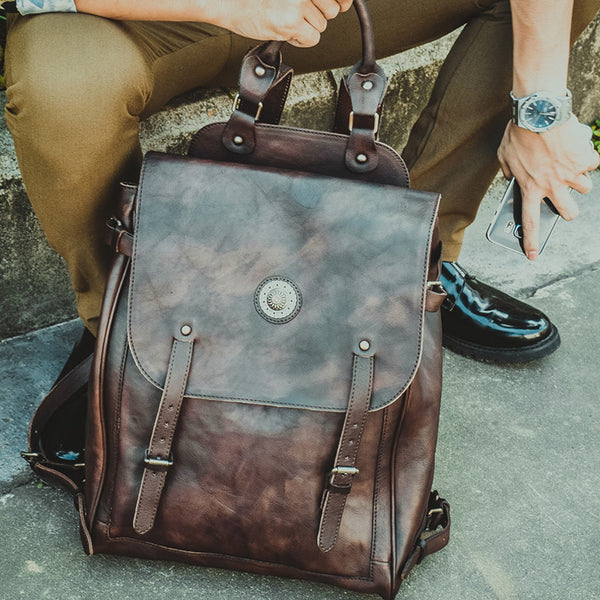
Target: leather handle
264, 83
270, 52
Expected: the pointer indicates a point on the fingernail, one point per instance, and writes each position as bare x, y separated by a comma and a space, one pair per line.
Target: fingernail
532, 254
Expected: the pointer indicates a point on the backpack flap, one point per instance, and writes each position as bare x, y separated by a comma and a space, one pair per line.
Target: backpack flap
278, 278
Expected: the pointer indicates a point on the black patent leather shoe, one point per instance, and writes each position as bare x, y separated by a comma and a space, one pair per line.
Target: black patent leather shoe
484, 323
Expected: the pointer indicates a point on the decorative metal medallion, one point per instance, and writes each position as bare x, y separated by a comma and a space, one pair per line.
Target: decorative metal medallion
277, 299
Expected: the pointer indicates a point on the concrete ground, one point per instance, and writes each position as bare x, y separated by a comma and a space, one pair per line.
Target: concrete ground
517, 459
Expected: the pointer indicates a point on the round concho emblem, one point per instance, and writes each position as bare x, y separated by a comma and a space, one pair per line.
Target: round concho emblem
277, 299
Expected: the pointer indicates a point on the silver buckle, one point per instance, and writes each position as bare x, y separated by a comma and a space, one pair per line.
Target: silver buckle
30, 456
158, 463
343, 471
375, 124
236, 104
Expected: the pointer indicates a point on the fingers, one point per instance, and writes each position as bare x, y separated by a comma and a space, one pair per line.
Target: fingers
594, 159
582, 183
530, 221
565, 204
562, 201
330, 9
315, 17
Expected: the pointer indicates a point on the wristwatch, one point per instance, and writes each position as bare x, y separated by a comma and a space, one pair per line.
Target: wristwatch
541, 111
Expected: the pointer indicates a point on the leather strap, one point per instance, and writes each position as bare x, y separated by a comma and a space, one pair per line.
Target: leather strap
118, 237
158, 457
434, 534
66, 475
59, 395
339, 479
263, 87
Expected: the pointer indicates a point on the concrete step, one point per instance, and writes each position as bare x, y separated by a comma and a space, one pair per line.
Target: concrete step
35, 290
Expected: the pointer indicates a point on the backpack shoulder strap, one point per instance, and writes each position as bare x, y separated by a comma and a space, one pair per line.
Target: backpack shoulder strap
67, 474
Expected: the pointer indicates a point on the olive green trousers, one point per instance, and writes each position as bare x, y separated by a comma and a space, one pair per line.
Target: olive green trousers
78, 86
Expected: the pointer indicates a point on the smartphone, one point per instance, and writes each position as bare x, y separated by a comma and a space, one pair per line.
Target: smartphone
506, 230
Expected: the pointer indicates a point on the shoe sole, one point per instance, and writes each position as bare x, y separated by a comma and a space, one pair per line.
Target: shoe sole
504, 355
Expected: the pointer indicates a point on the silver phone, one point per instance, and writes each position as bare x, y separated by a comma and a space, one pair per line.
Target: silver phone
506, 230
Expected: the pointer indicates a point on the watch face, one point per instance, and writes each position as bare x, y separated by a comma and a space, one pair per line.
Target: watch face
538, 114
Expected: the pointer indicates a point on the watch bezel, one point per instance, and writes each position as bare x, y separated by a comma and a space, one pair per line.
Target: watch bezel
562, 106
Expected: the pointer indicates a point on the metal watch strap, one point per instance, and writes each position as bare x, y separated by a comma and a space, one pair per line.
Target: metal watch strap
565, 109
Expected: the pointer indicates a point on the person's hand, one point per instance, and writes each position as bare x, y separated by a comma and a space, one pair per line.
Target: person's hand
546, 165
299, 22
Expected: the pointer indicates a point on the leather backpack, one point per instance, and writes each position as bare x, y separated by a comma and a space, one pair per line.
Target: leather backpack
266, 382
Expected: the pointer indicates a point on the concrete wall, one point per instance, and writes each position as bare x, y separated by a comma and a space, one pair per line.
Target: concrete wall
34, 285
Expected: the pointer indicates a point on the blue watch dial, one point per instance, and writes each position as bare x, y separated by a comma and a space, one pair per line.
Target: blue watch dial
540, 113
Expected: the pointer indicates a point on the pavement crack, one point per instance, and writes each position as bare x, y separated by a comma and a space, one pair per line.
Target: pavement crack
530, 292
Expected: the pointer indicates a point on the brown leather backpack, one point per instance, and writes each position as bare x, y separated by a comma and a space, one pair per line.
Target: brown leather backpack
266, 382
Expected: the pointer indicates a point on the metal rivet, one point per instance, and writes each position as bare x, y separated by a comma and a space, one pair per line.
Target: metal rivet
367, 85
361, 158
260, 71
186, 330
364, 345
238, 140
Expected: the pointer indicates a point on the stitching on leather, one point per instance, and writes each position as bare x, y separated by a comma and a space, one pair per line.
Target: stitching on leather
162, 415
161, 477
332, 502
190, 553
116, 430
340, 513
397, 159
377, 481
288, 81
394, 397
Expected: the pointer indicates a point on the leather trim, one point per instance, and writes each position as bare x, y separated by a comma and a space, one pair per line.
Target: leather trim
406, 216
159, 448
339, 480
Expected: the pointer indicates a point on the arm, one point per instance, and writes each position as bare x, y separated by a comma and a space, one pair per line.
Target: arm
299, 22
545, 164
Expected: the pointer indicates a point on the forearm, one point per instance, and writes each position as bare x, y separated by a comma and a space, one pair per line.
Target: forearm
152, 10
541, 45
299, 22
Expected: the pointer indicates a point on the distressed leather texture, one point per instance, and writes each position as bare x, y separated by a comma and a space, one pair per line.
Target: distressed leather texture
341, 242
302, 448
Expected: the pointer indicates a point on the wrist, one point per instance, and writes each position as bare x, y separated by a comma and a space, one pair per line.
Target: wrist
541, 110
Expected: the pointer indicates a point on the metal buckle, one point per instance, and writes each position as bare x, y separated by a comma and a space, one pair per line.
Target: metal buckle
237, 101
344, 472
30, 457
340, 489
375, 122
158, 463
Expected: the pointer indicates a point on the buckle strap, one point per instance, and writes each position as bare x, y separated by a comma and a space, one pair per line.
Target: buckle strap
339, 479
434, 534
158, 458
118, 237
